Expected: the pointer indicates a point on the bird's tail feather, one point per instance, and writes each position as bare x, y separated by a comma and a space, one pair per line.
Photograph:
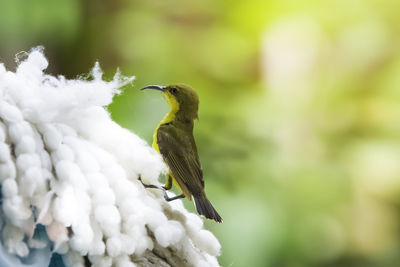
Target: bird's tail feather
205, 208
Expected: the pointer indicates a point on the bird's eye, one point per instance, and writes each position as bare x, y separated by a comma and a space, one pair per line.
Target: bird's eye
174, 91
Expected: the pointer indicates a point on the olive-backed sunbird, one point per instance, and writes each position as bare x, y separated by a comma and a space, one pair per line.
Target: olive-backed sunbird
173, 139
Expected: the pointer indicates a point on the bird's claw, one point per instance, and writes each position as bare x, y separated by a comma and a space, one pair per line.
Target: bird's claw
164, 188
149, 185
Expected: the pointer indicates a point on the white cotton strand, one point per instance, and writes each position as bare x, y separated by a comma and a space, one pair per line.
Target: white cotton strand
109, 218
66, 165
3, 132
45, 160
63, 152
16, 209
65, 207
13, 240
26, 161
30, 181
5, 155
52, 138
83, 237
124, 261
7, 170
98, 246
9, 188
69, 172
170, 233
103, 196
25, 145
101, 261
207, 242
87, 162
10, 113
114, 246
18, 130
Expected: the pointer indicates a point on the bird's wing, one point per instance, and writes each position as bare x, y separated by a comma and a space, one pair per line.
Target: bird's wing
179, 152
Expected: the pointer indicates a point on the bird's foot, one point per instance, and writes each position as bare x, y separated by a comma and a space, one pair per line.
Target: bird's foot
164, 188
167, 198
149, 185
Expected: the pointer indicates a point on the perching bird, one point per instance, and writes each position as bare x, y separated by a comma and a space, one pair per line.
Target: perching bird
174, 140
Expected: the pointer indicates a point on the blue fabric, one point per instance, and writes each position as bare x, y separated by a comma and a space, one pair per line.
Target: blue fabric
56, 261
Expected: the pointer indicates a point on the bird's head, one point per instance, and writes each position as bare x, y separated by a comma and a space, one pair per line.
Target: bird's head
180, 97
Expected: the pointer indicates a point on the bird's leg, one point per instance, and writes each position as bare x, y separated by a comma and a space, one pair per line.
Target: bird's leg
149, 185
168, 183
167, 198
166, 187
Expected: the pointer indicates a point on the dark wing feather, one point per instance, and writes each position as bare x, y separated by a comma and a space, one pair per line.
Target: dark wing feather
179, 152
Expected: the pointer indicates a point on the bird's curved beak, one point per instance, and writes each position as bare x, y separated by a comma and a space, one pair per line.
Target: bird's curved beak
155, 87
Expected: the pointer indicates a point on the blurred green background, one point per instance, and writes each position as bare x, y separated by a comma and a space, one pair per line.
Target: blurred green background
299, 130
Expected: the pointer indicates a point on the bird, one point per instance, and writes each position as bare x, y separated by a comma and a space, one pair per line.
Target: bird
174, 140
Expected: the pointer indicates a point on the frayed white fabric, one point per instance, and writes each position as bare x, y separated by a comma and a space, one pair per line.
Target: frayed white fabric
66, 165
